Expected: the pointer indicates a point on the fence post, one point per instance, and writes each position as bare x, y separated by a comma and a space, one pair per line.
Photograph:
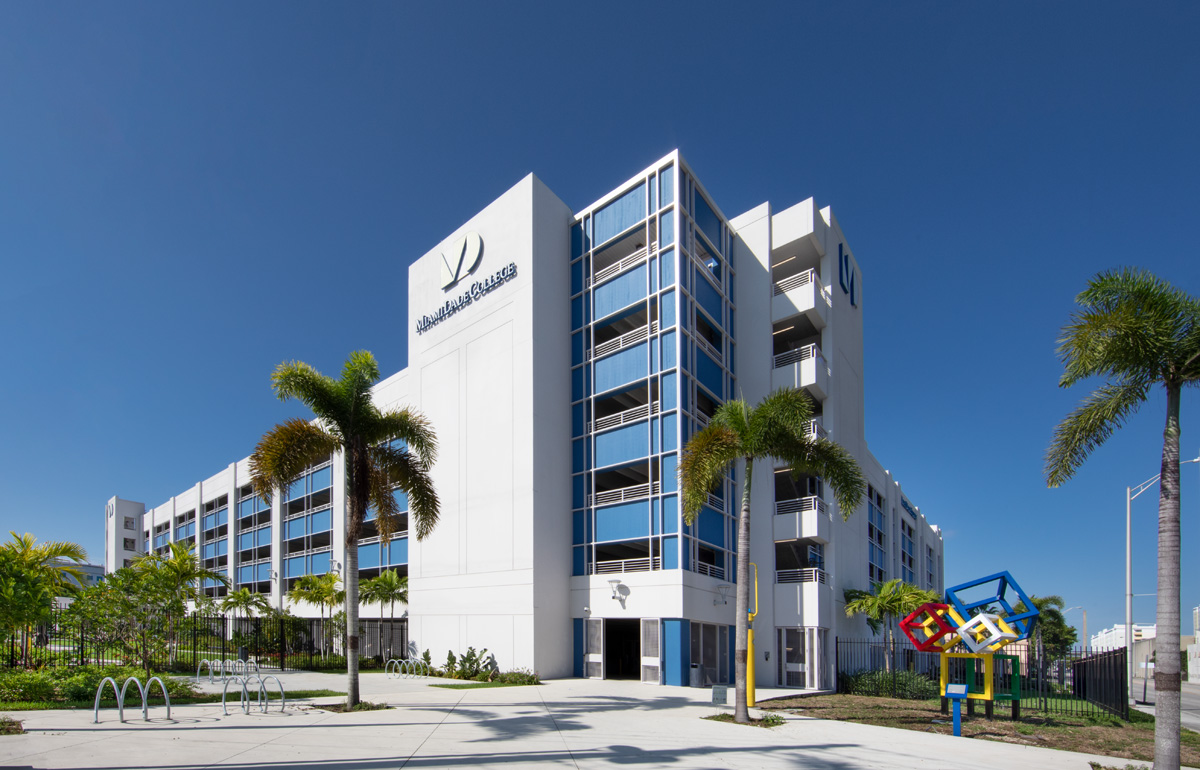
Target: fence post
837, 662
82, 641
282, 647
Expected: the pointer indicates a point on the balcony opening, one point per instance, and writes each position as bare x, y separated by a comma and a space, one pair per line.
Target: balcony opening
621, 254
628, 482
708, 337
803, 485
627, 556
621, 401
364, 574
706, 407
799, 257
799, 561
794, 334
618, 326
705, 259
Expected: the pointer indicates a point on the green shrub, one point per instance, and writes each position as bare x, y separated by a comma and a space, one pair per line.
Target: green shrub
518, 676
900, 684
21, 685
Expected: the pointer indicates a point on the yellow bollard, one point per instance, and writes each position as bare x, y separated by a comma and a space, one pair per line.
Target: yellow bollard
750, 644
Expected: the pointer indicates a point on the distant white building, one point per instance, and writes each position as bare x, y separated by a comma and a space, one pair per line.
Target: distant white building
1112, 638
1193, 650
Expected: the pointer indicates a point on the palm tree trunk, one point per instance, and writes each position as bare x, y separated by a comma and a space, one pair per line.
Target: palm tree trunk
741, 713
358, 485
1166, 642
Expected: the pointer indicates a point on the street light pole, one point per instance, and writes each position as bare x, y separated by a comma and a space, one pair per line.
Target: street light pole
1130, 496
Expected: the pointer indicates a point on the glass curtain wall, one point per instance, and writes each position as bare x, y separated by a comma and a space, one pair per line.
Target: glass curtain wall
652, 353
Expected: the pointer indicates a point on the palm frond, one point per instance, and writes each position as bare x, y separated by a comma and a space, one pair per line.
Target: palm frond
409, 426
832, 462
399, 468
779, 418
1101, 413
321, 394
702, 464
284, 452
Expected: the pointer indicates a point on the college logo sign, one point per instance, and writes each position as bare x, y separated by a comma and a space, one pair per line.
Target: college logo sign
846, 275
461, 259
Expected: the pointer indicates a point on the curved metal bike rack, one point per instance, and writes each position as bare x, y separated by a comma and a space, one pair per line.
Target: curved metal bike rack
120, 694
264, 700
228, 667
403, 668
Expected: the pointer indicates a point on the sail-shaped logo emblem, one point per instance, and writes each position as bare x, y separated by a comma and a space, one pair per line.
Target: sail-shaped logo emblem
461, 259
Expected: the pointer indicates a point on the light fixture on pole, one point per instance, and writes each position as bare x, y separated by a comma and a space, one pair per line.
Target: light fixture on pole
723, 591
1131, 494
1086, 640
615, 584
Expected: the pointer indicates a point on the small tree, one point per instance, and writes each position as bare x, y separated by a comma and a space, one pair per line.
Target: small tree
246, 602
323, 591
127, 609
884, 606
386, 589
26, 598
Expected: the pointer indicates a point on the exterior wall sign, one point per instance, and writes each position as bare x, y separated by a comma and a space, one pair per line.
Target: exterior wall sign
846, 275
476, 291
461, 259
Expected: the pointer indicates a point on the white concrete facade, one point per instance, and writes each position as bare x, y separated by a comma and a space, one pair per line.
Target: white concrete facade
512, 362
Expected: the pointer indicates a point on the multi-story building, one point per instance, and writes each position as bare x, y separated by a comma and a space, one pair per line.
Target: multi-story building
564, 360
1112, 638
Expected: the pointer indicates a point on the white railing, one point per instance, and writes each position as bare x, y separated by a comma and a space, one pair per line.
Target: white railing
702, 419
796, 281
711, 570
707, 346
624, 341
716, 502
626, 565
623, 494
814, 430
807, 575
800, 505
620, 418
798, 355
617, 268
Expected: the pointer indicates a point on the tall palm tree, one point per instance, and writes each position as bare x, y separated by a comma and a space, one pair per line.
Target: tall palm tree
1136, 331
387, 588
884, 606
775, 429
246, 602
349, 422
54, 560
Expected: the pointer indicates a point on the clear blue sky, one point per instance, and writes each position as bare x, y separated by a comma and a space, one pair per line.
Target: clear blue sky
191, 193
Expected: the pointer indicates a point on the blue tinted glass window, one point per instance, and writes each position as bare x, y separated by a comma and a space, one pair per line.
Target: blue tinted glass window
320, 521
653, 194
576, 240
264, 536
708, 221
666, 229
294, 567
294, 528
322, 479
670, 553
670, 389
295, 489
320, 563
668, 350
668, 267
667, 312
667, 194
621, 214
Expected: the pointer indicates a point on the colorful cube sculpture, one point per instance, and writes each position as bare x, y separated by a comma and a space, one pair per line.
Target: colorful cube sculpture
1021, 623
986, 633
988, 673
932, 627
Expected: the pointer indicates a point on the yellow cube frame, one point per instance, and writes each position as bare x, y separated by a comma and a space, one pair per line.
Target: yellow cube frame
988, 672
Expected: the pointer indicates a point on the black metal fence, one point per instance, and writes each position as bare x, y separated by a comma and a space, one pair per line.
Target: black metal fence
1076, 682
180, 644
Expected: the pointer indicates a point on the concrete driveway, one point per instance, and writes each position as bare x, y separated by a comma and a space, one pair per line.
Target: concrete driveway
567, 723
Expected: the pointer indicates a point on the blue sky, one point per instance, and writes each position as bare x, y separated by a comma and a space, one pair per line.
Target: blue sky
192, 193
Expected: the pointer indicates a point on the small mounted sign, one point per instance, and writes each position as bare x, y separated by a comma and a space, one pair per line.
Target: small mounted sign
720, 695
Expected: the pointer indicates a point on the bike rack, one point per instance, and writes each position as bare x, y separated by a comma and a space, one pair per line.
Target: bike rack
229, 667
264, 700
406, 669
144, 692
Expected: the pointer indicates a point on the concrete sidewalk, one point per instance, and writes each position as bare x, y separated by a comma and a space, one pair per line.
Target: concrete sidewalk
566, 723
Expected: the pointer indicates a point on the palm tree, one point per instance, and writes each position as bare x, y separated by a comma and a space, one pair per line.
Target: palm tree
884, 605
349, 422
775, 429
388, 588
323, 591
1136, 331
246, 602
54, 560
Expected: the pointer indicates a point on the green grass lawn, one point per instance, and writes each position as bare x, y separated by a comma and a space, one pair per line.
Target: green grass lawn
155, 700
477, 685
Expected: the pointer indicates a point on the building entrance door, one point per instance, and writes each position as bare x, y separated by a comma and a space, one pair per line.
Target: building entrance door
622, 649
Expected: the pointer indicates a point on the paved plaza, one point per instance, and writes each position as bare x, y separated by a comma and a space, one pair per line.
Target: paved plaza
566, 723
